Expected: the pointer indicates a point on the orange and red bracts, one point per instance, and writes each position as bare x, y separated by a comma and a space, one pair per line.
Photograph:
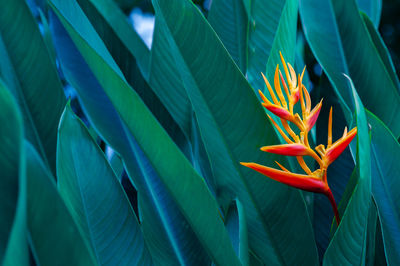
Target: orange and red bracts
297, 144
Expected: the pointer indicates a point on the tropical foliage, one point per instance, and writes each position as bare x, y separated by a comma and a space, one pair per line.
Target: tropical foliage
114, 153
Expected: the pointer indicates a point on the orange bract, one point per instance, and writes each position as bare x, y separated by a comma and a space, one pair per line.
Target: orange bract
297, 144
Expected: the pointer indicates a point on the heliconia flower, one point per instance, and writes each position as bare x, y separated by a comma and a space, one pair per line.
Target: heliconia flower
297, 143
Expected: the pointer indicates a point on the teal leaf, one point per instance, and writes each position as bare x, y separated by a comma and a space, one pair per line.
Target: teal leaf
233, 126
13, 233
38, 90
342, 43
339, 171
285, 39
229, 20
55, 238
264, 22
385, 185
372, 8
95, 197
348, 245
152, 193
173, 169
235, 221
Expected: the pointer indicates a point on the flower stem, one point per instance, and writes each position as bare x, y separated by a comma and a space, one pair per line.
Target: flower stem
334, 206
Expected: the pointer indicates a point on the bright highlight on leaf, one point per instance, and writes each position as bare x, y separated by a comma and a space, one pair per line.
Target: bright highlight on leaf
297, 144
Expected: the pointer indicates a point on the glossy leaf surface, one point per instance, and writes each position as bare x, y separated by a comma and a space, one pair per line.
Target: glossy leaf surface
342, 44
51, 227
385, 184
231, 120
13, 233
348, 245
95, 197
37, 89
174, 170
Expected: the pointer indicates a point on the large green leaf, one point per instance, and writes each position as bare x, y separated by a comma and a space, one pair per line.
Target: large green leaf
31, 76
229, 20
372, 8
348, 245
285, 38
264, 22
339, 171
342, 44
130, 53
385, 151
13, 234
186, 187
54, 235
172, 238
106, 218
163, 77
235, 221
382, 50
234, 126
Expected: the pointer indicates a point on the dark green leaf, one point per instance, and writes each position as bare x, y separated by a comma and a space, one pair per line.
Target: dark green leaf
31, 76
173, 169
13, 233
173, 236
342, 44
235, 221
106, 219
285, 38
339, 171
234, 126
264, 22
382, 50
372, 8
348, 245
54, 236
385, 151
229, 20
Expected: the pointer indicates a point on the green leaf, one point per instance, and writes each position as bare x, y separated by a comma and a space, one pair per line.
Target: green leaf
371, 234
339, 172
372, 8
382, 50
386, 185
234, 126
129, 52
229, 20
13, 233
264, 22
235, 221
348, 245
187, 189
173, 237
164, 78
342, 44
106, 219
54, 235
153, 195
38, 90
285, 38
